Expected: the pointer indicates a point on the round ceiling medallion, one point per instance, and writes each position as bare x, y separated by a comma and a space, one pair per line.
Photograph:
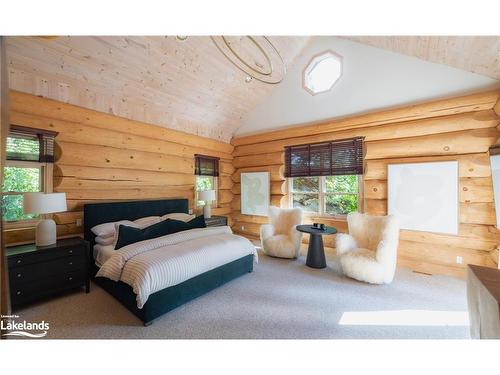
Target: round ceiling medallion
256, 56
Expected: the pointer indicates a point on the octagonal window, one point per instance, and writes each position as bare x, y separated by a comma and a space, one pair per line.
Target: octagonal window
322, 72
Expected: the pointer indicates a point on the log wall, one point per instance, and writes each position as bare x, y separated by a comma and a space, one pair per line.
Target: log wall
459, 129
101, 157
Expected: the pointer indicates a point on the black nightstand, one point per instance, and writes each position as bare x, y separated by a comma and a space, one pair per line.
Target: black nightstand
38, 272
216, 221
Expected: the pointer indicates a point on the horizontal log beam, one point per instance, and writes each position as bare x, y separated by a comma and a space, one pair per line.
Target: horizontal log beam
89, 135
471, 189
226, 168
429, 268
225, 182
276, 172
78, 204
277, 188
463, 142
225, 196
445, 107
68, 217
272, 158
223, 211
447, 124
477, 213
443, 254
462, 240
125, 194
470, 165
110, 157
30, 104
276, 200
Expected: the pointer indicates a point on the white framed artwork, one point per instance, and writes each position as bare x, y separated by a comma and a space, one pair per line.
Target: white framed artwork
255, 193
424, 196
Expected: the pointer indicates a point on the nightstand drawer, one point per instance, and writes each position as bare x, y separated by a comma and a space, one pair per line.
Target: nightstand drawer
216, 221
22, 274
44, 287
39, 271
42, 256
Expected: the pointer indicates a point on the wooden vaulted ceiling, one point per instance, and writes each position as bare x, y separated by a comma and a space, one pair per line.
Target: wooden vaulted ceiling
476, 54
185, 85
189, 85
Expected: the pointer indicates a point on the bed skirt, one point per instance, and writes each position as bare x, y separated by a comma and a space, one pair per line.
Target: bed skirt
169, 298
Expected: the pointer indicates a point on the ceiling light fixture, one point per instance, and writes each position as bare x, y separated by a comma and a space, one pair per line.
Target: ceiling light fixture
271, 70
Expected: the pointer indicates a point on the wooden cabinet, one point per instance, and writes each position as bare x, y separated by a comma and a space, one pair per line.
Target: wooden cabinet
38, 272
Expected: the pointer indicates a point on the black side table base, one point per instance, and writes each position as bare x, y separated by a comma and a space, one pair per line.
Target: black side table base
316, 252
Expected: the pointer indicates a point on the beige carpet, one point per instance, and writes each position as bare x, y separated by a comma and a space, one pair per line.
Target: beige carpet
280, 299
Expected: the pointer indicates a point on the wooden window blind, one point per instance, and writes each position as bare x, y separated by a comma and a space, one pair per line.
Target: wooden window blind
340, 157
28, 144
206, 165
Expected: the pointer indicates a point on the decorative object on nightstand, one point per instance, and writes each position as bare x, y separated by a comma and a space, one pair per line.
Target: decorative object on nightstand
41, 203
40, 271
216, 221
208, 196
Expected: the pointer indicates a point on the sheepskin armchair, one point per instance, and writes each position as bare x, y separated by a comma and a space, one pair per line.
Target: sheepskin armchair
369, 252
279, 238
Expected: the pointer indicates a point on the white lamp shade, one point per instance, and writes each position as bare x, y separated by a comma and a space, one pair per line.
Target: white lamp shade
206, 195
41, 203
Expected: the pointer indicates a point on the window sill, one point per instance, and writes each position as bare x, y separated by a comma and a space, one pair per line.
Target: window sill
323, 216
20, 225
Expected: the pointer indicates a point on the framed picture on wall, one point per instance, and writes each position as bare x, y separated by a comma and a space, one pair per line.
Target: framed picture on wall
424, 196
255, 193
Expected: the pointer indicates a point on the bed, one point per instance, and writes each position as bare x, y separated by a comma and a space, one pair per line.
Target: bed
164, 300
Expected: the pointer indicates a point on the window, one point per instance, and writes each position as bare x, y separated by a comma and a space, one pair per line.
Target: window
322, 72
206, 169
326, 195
325, 178
205, 183
28, 168
19, 178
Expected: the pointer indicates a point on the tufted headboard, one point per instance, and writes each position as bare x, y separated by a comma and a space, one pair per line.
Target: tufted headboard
98, 213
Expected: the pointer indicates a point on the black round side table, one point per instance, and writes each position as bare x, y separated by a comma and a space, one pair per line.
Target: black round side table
316, 250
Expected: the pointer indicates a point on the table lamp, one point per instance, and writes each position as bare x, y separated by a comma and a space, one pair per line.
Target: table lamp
208, 196
41, 203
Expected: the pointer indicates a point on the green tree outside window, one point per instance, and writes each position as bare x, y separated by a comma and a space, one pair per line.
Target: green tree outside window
18, 180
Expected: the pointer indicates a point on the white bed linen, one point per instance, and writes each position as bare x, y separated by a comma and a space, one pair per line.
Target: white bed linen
155, 264
102, 253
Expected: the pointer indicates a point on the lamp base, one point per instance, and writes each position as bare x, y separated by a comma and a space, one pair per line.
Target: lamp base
46, 233
207, 210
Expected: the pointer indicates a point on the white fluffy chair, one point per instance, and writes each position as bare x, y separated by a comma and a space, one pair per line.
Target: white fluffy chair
279, 238
369, 252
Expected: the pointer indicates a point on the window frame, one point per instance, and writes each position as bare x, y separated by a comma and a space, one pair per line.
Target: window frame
308, 69
321, 197
215, 203
46, 182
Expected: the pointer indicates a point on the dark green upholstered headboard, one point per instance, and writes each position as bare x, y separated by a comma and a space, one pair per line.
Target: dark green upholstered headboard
98, 213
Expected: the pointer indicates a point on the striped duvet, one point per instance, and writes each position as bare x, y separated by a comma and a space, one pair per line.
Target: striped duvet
152, 265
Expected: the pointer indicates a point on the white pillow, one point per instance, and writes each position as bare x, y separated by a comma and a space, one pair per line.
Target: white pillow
108, 229
104, 241
144, 222
178, 216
